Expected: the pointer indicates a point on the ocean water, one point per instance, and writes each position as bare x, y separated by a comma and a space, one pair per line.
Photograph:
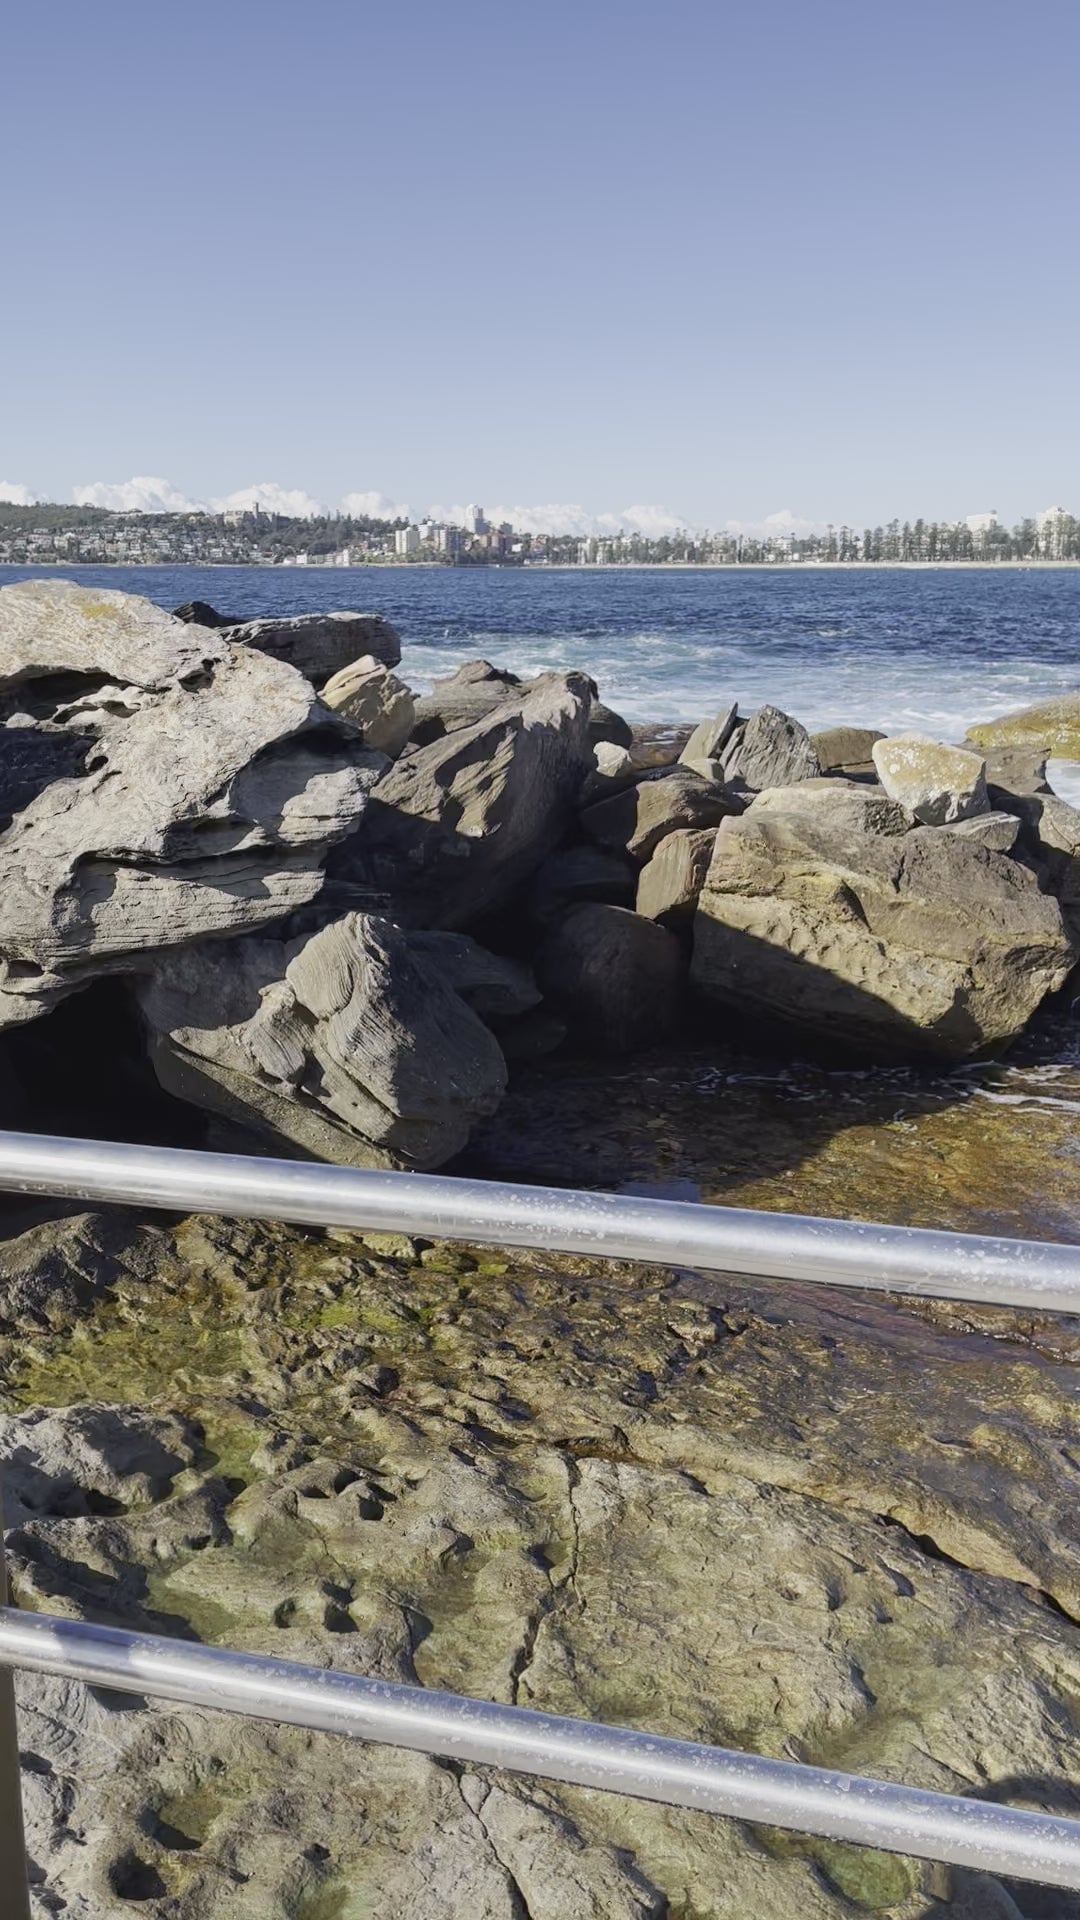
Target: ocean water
891, 649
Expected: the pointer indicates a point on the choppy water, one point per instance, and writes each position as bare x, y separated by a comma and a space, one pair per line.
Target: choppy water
891, 648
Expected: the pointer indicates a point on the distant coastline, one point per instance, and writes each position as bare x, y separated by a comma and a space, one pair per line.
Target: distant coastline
378, 565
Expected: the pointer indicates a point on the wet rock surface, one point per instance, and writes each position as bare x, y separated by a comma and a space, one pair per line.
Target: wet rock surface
676, 1503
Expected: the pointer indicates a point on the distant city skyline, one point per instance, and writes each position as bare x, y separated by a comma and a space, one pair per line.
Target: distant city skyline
154, 494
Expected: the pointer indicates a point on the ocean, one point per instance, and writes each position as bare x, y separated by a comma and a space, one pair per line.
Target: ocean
893, 648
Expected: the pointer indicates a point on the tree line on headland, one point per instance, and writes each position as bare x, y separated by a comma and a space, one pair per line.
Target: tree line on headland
89, 536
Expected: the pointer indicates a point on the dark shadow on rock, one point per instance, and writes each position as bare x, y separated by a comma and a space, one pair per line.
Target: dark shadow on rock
83, 1070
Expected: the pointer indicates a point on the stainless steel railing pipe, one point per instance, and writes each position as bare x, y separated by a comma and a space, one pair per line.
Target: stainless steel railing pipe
866, 1812
1032, 1275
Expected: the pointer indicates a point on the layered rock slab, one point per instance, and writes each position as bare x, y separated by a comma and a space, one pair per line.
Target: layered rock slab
637, 818
349, 1044
375, 702
826, 908
320, 644
196, 787
457, 826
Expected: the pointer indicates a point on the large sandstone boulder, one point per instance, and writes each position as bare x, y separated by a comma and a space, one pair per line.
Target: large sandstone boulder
769, 750
1053, 727
166, 787
461, 698
846, 749
496, 988
638, 817
375, 702
320, 644
669, 886
827, 908
456, 827
938, 784
704, 750
349, 1044
1015, 770
617, 976
1049, 836
613, 767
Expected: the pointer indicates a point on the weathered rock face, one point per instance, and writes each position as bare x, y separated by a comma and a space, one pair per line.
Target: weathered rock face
456, 827
576, 874
1049, 833
1016, 770
826, 909
168, 787
375, 702
769, 750
350, 1045
616, 976
494, 987
673, 1504
607, 725
841, 749
200, 613
460, 699
704, 750
1052, 727
938, 784
613, 768
669, 886
998, 831
640, 816
321, 644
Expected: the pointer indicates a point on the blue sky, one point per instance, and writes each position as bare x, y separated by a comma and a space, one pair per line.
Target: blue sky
722, 260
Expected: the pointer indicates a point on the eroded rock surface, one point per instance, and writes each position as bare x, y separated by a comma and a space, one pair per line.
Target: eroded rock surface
186, 789
826, 908
348, 1043
938, 784
614, 974
636, 819
1052, 727
597, 1492
320, 644
375, 702
769, 750
456, 827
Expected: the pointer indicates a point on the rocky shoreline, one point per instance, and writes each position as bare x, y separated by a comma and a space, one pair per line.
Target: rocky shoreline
249, 867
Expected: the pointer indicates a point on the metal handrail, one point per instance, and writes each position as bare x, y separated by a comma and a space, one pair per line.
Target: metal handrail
1033, 1275
585, 1753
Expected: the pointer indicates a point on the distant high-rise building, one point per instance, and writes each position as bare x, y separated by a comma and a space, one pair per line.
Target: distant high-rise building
474, 520
406, 542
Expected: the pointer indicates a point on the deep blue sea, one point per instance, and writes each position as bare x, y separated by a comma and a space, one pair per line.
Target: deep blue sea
893, 648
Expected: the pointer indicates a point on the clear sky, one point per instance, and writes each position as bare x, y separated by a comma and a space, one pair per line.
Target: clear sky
728, 260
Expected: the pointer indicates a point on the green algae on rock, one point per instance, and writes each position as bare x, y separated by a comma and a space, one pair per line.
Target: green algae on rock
586, 1489
1053, 727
